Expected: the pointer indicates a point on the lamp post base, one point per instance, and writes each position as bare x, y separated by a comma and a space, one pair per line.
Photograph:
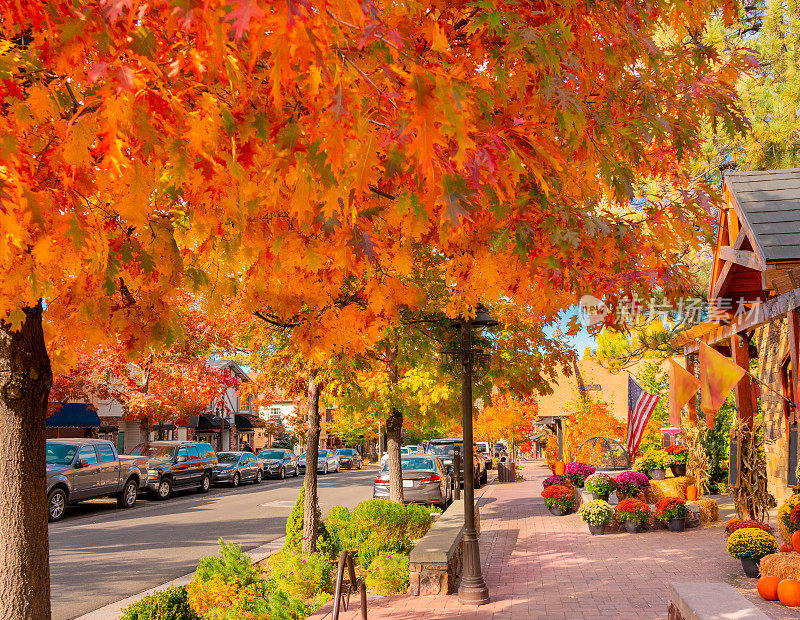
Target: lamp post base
473, 591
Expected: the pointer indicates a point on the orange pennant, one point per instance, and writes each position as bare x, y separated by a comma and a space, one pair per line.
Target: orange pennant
718, 375
682, 388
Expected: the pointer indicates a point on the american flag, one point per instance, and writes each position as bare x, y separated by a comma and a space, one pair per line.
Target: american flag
640, 408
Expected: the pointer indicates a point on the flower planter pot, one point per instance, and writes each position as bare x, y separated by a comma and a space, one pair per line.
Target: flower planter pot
558, 512
678, 469
658, 474
676, 525
598, 496
597, 530
750, 566
633, 527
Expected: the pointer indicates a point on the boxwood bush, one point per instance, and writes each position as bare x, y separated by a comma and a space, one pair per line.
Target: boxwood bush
169, 604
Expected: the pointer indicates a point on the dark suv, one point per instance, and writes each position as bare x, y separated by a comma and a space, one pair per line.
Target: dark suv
177, 465
444, 449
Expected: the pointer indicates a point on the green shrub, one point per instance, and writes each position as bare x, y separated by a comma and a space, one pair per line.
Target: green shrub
169, 604
302, 575
388, 574
230, 565
338, 537
375, 526
294, 525
420, 520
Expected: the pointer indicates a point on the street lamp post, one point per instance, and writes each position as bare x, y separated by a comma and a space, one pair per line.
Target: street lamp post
473, 590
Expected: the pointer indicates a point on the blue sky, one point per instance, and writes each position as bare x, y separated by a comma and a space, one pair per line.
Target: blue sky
579, 341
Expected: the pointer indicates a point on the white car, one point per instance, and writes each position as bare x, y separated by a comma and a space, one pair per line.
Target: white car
403, 452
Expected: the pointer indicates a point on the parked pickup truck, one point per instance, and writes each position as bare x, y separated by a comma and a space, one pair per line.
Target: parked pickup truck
84, 468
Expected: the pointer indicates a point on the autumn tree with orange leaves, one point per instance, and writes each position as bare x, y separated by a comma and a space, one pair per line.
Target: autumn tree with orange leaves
507, 417
295, 154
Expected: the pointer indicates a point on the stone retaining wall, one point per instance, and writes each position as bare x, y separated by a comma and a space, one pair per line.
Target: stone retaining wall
436, 561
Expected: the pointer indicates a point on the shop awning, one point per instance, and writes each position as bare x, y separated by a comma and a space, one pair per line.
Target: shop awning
243, 422
74, 415
208, 422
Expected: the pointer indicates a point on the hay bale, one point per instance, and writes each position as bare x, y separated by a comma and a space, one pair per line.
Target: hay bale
669, 487
708, 508
783, 565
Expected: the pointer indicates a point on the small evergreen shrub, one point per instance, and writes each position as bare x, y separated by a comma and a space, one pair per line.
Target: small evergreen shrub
302, 575
232, 565
261, 601
169, 604
388, 574
294, 525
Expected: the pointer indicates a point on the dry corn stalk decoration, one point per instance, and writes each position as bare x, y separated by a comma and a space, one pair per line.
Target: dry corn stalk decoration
750, 495
697, 461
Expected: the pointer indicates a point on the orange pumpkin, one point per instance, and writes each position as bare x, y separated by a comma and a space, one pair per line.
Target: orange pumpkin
786, 548
796, 541
789, 592
560, 469
691, 492
768, 588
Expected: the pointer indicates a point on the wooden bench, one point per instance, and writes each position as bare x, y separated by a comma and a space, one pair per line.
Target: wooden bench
710, 600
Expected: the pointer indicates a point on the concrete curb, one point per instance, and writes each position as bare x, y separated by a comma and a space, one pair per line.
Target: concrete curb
114, 611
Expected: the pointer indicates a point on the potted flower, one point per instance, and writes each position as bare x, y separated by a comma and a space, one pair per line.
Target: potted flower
634, 513
750, 544
597, 513
737, 524
672, 510
577, 472
600, 485
678, 456
551, 480
631, 484
658, 461
559, 499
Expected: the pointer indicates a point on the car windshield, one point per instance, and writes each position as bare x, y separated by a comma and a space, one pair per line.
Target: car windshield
413, 463
227, 457
322, 453
60, 453
345, 452
270, 454
440, 448
153, 452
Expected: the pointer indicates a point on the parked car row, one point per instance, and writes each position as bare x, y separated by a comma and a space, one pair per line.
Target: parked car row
79, 469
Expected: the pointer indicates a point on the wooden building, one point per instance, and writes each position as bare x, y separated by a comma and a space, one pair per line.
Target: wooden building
754, 295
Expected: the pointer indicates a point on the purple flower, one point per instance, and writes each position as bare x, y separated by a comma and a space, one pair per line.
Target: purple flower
303, 561
551, 480
577, 472
632, 483
388, 556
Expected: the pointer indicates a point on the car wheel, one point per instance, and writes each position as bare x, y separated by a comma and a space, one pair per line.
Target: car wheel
282, 474
164, 489
56, 504
127, 498
359, 465
296, 472
235, 480
259, 475
205, 483
325, 469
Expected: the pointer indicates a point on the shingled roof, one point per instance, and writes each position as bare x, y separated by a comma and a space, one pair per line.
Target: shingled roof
769, 203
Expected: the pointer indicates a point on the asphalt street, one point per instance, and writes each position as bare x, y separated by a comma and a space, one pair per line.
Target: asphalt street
100, 554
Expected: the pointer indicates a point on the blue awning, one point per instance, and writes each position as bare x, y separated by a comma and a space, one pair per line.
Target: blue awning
75, 415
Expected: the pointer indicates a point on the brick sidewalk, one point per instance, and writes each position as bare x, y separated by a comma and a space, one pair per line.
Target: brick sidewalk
540, 566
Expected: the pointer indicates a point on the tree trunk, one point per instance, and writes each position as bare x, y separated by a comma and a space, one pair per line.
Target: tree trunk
394, 424
25, 380
310, 509
394, 439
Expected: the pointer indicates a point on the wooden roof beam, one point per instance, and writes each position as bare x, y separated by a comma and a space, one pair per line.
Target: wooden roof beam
745, 258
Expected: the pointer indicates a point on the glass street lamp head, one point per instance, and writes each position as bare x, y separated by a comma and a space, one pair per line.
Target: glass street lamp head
482, 319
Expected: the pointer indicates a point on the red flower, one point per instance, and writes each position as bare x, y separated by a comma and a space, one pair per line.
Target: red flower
675, 449
737, 524
557, 491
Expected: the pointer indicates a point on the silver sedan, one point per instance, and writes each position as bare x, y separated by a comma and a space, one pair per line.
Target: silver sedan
425, 481
327, 461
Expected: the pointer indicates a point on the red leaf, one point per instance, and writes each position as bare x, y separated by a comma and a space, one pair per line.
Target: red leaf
245, 11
